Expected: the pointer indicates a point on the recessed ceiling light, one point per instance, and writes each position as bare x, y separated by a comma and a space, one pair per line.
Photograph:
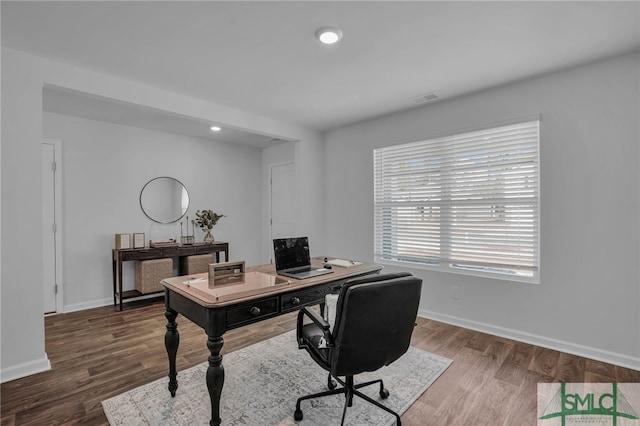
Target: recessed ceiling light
215, 128
329, 35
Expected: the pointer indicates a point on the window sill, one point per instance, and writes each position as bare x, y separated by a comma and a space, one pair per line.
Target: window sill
535, 279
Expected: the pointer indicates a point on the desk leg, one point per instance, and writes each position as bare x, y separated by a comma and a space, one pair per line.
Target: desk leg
171, 342
215, 377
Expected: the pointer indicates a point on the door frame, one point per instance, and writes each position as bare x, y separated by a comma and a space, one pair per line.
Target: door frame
57, 176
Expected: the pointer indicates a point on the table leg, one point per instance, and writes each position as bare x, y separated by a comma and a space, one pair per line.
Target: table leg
215, 377
113, 264
171, 342
120, 282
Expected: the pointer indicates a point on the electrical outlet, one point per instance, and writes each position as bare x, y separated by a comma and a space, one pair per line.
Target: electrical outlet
455, 292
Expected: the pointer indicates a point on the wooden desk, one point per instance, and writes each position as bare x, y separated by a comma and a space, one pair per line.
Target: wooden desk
124, 255
216, 315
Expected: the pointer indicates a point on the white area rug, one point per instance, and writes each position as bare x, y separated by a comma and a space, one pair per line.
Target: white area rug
262, 384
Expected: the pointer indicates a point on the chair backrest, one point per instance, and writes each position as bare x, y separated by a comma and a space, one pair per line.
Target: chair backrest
375, 317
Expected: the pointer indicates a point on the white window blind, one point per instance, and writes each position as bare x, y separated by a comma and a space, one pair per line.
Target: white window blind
466, 203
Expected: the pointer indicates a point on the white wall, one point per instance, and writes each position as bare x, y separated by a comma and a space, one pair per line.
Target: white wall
279, 154
310, 170
23, 78
588, 300
22, 332
104, 167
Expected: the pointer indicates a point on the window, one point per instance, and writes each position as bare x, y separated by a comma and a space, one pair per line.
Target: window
466, 203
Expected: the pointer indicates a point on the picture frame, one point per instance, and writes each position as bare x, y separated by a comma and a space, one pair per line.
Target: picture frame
226, 273
123, 241
138, 240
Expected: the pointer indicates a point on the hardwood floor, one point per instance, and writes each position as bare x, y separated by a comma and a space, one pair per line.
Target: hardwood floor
99, 353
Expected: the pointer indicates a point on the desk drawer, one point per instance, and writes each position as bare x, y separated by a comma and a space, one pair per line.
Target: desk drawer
249, 312
295, 300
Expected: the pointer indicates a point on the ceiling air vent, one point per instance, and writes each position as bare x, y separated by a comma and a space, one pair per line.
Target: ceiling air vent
428, 97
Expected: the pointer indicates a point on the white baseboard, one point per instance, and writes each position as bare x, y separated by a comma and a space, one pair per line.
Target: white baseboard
101, 302
25, 369
38, 366
87, 305
559, 345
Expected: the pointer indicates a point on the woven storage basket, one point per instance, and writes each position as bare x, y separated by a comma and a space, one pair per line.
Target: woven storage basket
149, 273
197, 264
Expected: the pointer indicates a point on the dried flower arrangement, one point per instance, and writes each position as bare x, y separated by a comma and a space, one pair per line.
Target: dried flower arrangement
206, 219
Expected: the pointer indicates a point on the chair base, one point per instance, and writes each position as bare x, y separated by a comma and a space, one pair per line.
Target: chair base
350, 390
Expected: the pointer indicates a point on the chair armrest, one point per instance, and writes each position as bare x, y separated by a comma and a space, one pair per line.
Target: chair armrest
317, 320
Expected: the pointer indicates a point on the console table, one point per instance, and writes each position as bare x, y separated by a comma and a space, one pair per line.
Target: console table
124, 255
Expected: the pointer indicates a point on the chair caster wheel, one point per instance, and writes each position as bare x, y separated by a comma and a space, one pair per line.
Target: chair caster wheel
384, 394
297, 415
331, 385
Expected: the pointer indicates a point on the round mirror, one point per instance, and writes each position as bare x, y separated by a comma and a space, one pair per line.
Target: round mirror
164, 199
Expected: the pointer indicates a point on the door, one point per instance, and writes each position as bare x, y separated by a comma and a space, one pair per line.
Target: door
284, 203
49, 226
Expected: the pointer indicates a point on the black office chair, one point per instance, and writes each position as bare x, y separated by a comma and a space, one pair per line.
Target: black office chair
375, 317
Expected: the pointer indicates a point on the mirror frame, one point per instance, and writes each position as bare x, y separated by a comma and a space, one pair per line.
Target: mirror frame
147, 214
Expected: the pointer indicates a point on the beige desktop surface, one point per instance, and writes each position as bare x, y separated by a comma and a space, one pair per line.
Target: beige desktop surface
255, 282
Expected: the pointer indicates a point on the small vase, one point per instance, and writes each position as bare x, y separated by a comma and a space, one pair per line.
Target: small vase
208, 238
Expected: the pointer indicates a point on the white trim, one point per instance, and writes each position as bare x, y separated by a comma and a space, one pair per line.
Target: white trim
98, 303
447, 268
87, 305
534, 339
57, 150
25, 369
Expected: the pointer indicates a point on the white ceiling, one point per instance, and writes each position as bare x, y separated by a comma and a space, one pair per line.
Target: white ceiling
261, 57
65, 101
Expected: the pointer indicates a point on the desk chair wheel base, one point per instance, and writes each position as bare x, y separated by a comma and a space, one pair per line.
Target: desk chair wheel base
349, 389
331, 384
